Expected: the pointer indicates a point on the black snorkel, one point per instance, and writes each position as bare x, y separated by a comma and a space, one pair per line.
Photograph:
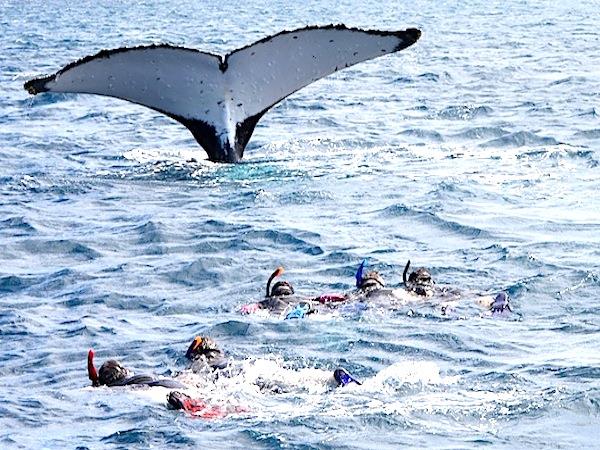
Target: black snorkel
404, 273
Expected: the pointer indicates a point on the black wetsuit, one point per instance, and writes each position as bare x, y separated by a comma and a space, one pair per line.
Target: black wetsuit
148, 380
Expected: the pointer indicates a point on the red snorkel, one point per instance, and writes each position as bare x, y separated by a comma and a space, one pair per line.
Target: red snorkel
92, 372
275, 274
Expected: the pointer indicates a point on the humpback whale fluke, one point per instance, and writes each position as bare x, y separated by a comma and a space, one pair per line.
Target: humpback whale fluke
220, 99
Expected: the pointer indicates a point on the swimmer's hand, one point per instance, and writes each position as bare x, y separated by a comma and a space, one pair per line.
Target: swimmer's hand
250, 308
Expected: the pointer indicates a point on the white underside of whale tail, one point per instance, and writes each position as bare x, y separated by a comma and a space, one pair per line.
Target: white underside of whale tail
220, 99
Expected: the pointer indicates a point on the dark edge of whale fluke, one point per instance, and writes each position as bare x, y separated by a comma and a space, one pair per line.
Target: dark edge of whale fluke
413, 34
37, 85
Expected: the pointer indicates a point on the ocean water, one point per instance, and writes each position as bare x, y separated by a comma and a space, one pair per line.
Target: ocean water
474, 153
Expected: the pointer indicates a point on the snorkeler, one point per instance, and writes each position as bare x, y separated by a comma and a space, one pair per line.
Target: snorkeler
281, 300
205, 353
112, 373
200, 408
419, 281
419, 285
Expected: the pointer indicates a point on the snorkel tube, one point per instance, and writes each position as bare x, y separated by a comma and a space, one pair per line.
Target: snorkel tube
405, 272
92, 372
359, 273
274, 275
343, 377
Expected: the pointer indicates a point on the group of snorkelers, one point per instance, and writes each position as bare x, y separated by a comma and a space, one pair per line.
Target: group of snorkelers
417, 287
205, 357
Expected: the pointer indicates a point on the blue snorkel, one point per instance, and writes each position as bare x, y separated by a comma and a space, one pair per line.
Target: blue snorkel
359, 273
501, 303
343, 377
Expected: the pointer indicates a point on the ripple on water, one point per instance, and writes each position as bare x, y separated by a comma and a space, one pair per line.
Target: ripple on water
17, 226
464, 112
430, 218
267, 239
481, 133
64, 247
520, 139
588, 134
207, 270
40, 285
429, 135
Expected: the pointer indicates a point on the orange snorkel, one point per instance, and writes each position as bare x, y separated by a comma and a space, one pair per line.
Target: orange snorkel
275, 274
197, 342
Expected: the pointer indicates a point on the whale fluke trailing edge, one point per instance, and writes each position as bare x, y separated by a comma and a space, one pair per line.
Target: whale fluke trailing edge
220, 99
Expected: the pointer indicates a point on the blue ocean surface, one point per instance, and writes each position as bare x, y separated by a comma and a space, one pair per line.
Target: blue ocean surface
474, 153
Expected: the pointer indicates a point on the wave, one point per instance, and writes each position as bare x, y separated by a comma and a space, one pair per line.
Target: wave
146, 438
17, 226
205, 271
588, 134
61, 247
593, 112
481, 133
569, 80
149, 233
464, 112
588, 156
39, 285
520, 139
268, 240
426, 76
421, 133
431, 218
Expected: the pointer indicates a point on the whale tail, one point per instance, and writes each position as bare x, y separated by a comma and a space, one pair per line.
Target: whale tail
220, 99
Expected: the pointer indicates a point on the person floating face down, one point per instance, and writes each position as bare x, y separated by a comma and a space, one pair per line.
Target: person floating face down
112, 373
280, 300
370, 286
206, 356
367, 282
418, 283
421, 283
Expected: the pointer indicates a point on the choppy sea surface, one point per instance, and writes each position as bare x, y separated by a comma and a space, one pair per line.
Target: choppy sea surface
474, 153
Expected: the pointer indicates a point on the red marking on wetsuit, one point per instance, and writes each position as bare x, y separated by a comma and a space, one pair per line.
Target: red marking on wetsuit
199, 408
330, 298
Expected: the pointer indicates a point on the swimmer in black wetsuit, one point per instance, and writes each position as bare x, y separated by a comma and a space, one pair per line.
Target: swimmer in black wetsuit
206, 356
281, 300
205, 353
419, 281
419, 285
112, 373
